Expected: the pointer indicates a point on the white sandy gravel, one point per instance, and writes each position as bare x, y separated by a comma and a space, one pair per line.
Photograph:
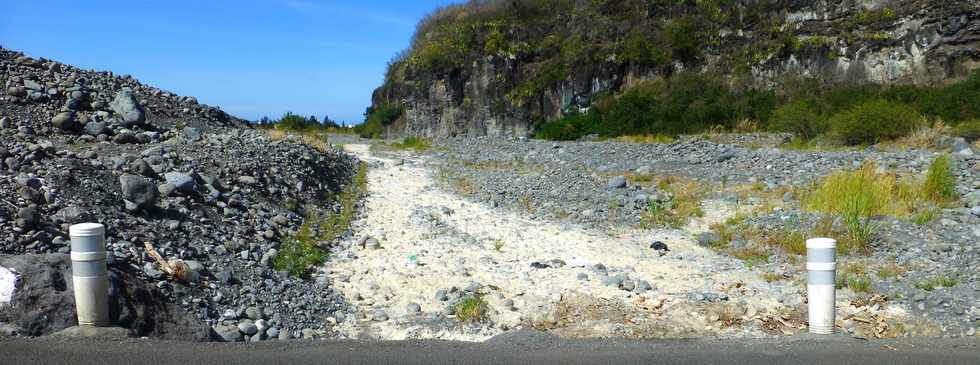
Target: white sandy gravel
388, 279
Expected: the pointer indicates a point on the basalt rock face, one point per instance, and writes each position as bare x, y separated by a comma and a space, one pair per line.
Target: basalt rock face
494, 90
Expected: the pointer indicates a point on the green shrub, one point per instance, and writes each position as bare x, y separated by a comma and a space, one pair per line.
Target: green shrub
569, 128
300, 252
940, 184
969, 130
471, 309
297, 254
936, 282
874, 121
800, 118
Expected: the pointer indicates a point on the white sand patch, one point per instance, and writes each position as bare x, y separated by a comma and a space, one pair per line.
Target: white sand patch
8, 282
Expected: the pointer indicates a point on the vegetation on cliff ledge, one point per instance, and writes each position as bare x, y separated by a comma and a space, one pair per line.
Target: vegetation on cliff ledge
545, 43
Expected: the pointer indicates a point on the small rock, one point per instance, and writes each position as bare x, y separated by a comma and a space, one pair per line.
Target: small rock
627, 285
253, 313
183, 182
95, 129
141, 167
64, 121
659, 246
248, 327
372, 244
616, 182
29, 216
413, 308
228, 333
379, 315
442, 295
261, 325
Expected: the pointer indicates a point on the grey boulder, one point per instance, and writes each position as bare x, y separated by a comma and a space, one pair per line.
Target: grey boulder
127, 108
139, 190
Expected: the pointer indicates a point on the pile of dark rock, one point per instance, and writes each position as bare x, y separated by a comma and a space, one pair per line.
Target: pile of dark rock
192, 181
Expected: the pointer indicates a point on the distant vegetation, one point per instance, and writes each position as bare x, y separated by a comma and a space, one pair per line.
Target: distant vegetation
851, 115
309, 130
296, 123
376, 118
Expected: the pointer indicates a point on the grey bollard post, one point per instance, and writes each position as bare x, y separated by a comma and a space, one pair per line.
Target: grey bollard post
821, 266
89, 274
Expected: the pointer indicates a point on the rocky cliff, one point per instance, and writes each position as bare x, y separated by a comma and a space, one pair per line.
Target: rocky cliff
494, 67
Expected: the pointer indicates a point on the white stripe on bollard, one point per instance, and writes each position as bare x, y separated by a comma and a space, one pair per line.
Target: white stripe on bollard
89, 274
821, 266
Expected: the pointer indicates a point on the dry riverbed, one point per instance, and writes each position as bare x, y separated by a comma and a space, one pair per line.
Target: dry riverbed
421, 254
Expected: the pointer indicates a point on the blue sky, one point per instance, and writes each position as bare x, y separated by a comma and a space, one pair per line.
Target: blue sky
250, 57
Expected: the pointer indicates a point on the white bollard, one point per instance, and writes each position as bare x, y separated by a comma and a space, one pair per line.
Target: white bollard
821, 266
89, 274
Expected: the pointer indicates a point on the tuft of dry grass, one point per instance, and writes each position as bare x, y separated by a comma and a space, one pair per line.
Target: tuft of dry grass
860, 195
770, 277
677, 211
459, 183
725, 314
890, 271
645, 138
751, 255
923, 137
747, 126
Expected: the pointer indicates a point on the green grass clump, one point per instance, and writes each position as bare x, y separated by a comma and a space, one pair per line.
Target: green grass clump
936, 282
853, 275
770, 277
940, 184
417, 144
301, 251
925, 216
858, 196
471, 309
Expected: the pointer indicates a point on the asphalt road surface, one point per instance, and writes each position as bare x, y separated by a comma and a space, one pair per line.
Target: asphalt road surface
513, 348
